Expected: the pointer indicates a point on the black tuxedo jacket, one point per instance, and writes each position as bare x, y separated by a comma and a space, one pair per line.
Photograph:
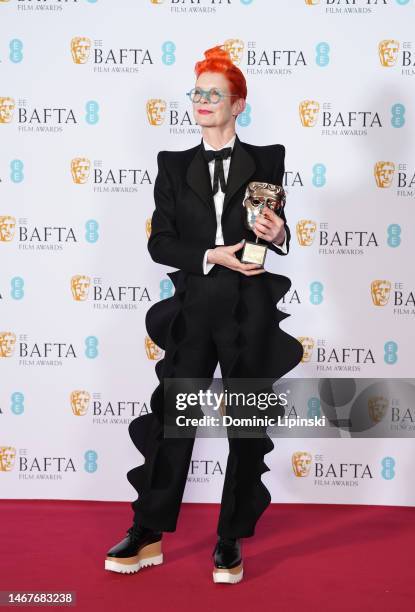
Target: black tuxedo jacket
183, 224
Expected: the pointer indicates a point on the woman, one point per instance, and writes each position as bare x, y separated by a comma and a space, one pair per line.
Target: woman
222, 310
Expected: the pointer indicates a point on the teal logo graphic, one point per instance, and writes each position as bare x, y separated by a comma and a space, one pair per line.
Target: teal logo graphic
91, 347
168, 56
17, 402
166, 288
316, 292
16, 53
92, 1
322, 54
319, 175
92, 112
17, 288
246, 2
402, 2
244, 119
16, 171
394, 235
91, 231
398, 115
90, 464
390, 356
388, 468
313, 407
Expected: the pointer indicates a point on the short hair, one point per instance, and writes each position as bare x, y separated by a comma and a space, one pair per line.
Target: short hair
217, 59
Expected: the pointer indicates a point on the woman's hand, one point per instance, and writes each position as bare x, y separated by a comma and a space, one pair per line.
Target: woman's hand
269, 226
225, 256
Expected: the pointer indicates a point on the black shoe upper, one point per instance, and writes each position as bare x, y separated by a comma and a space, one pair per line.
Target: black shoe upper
137, 537
227, 553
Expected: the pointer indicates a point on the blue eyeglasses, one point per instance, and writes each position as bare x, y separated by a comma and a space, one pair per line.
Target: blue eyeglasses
213, 95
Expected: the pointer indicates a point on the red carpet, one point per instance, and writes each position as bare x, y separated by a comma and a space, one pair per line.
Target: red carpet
321, 558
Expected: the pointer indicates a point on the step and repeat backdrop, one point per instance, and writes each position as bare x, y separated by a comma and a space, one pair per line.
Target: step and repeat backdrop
90, 92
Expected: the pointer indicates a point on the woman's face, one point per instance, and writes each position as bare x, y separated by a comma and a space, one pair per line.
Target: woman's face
223, 113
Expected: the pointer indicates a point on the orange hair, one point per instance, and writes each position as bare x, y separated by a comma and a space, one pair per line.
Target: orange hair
219, 60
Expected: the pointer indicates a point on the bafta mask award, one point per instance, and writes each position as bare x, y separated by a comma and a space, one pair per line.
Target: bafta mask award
257, 196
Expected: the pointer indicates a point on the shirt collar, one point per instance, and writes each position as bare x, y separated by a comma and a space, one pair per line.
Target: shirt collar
230, 143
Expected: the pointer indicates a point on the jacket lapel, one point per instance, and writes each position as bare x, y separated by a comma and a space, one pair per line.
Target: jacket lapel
241, 169
198, 178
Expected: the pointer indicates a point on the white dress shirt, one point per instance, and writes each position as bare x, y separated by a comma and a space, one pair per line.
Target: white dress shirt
219, 198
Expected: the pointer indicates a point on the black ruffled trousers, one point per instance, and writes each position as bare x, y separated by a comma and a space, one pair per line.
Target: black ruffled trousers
223, 317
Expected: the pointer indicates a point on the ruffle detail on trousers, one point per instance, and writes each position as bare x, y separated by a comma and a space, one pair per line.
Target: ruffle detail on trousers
271, 358
286, 352
164, 320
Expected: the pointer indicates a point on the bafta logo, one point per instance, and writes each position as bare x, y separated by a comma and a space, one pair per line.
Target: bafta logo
80, 402
80, 48
384, 172
388, 52
312, 2
308, 345
7, 227
6, 109
7, 342
80, 287
80, 167
301, 463
7, 457
148, 227
156, 1
306, 231
156, 109
309, 110
377, 407
153, 351
380, 291
235, 48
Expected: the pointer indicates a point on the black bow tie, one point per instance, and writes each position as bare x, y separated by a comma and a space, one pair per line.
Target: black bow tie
218, 174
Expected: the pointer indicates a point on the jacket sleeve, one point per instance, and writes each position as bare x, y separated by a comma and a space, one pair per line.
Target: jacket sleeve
279, 178
164, 244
